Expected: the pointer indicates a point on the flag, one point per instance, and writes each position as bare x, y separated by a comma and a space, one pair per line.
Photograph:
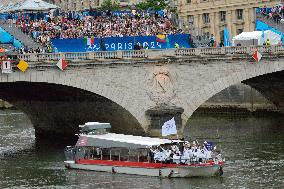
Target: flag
89, 41
161, 38
169, 127
209, 146
226, 37
257, 56
262, 37
85, 40
23, 65
62, 64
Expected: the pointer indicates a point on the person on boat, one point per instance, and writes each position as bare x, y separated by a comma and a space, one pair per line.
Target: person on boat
156, 154
175, 149
168, 156
202, 155
219, 156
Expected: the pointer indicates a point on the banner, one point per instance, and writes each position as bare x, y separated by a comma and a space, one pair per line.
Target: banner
6, 37
119, 43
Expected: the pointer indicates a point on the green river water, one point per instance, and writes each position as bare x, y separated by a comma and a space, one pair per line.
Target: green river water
253, 148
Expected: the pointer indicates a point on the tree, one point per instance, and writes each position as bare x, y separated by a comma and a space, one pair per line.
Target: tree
109, 5
154, 4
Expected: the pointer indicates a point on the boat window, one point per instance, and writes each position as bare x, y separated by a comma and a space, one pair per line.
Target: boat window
123, 154
115, 154
105, 153
95, 153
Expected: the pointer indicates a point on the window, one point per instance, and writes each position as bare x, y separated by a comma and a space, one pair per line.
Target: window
190, 19
207, 35
222, 35
206, 18
239, 31
222, 15
240, 14
188, 1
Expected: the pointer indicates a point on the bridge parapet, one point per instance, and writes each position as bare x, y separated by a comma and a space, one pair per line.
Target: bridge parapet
152, 54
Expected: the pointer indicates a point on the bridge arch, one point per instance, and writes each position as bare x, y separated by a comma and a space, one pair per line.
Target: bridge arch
238, 73
73, 79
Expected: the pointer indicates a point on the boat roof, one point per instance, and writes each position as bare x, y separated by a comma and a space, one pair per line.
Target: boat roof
113, 140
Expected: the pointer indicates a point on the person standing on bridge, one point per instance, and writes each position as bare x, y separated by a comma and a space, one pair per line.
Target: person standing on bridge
268, 44
176, 45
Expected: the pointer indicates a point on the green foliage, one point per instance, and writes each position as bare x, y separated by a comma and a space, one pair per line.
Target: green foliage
108, 5
154, 4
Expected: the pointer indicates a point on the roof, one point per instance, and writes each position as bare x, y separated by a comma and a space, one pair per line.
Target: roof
112, 140
29, 5
253, 35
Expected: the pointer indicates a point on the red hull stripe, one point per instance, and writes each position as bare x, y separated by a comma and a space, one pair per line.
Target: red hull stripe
135, 164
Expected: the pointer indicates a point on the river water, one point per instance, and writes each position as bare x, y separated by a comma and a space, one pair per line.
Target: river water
253, 148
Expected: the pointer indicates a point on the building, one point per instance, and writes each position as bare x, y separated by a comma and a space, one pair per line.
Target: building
86, 4
206, 17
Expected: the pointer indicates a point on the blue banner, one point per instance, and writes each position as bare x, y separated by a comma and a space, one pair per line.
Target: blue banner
120, 43
6, 37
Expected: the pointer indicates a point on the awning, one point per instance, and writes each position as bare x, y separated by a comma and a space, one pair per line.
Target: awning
30, 5
112, 140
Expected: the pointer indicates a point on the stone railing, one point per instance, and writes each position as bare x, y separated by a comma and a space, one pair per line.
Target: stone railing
230, 51
152, 54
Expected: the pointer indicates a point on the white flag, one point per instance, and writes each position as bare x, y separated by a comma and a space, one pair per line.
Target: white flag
169, 127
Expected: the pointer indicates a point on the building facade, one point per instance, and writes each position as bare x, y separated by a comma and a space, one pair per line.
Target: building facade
206, 17
86, 4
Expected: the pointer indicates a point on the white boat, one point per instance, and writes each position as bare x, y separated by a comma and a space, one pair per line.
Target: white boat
98, 150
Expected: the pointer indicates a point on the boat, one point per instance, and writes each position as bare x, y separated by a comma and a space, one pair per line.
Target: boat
99, 150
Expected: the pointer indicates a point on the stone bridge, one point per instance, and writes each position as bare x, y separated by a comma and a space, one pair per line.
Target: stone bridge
136, 91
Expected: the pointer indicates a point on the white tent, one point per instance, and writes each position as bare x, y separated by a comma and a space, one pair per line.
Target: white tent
32, 5
7, 8
256, 38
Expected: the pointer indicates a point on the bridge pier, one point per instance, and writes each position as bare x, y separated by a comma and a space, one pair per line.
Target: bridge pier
158, 115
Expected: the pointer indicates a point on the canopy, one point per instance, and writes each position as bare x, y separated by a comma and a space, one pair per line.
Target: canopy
30, 5
256, 38
112, 140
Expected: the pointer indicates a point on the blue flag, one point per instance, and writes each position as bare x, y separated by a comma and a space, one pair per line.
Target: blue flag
209, 146
226, 37
262, 36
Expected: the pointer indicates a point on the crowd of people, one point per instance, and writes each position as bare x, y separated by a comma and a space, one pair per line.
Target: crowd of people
185, 154
275, 13
69, 26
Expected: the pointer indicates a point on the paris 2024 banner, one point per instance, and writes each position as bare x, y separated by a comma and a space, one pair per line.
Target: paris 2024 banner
120, 43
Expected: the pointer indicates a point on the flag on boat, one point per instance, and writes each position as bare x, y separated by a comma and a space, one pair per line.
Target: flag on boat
23, 65
169, 127
89, 41
209, 145
62, 64
257, 56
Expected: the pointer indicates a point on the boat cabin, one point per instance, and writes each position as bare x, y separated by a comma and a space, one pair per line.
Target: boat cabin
96, 143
